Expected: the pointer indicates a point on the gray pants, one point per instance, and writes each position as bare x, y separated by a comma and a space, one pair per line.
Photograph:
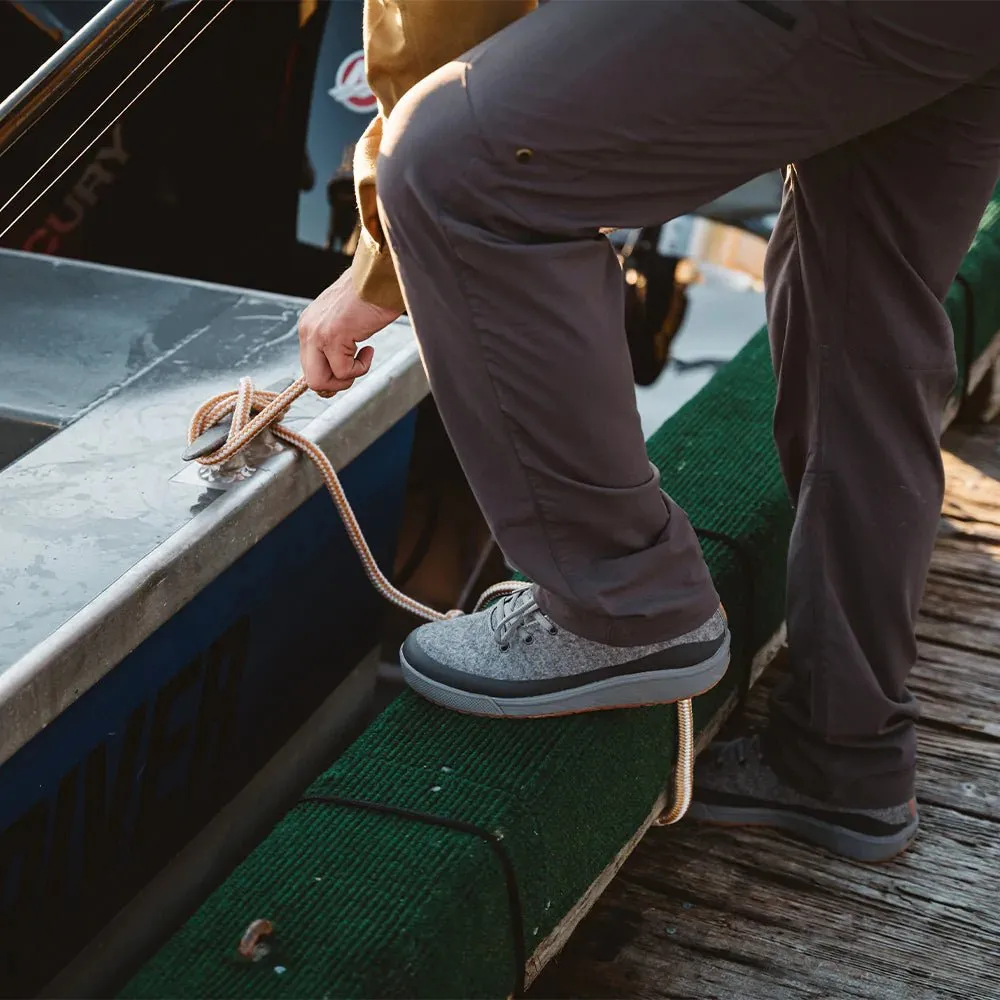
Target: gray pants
497, 172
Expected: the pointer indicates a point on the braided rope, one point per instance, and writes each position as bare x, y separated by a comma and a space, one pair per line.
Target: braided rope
256, 410
684, 771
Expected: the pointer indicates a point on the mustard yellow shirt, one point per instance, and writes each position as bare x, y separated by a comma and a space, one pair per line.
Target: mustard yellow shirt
404, 41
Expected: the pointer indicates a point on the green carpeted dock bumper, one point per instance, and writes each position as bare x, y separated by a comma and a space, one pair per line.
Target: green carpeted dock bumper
366, 904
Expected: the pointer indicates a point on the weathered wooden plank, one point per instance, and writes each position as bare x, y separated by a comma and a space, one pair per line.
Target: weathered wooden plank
708, 913
958, 635
983, 595
962, 513
971, 484
958, 688
972, 470
962, 609
964, 449
959, 772
970, 602
964, 558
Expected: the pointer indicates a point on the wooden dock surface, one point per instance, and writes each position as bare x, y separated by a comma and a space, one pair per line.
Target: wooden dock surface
711, 914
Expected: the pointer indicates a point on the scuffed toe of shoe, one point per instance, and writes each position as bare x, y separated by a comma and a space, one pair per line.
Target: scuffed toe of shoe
438, 650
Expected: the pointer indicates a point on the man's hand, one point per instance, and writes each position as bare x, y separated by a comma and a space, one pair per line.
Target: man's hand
330, 329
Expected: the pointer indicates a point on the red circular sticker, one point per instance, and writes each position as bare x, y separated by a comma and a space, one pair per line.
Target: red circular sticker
352, 88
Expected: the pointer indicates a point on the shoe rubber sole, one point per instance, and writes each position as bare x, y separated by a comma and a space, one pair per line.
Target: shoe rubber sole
655, 687
836, 839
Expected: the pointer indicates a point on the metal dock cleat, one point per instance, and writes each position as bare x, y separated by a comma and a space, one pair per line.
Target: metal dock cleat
246, 461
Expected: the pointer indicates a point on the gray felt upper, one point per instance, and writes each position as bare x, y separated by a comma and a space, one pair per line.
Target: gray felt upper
514, 641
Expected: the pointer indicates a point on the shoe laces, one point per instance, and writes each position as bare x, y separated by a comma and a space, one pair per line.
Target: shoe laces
518, 614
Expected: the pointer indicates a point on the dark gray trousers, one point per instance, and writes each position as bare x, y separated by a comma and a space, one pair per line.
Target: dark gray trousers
497, 172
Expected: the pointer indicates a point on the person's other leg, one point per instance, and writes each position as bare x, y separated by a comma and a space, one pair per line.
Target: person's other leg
498, 171
870, 237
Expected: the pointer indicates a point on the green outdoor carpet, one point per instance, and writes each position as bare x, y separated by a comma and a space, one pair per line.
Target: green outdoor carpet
370, 905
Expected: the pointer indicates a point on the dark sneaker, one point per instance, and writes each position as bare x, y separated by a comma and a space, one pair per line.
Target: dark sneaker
511, 660
734, 786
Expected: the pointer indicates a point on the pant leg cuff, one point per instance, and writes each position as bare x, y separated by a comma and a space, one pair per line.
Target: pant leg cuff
803, 766
631, 631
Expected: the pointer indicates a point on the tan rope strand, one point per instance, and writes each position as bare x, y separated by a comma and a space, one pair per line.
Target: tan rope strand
684, 771
270, 408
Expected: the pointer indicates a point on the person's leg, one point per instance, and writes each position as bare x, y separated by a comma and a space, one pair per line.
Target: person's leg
497, 172
875, 231
870, 237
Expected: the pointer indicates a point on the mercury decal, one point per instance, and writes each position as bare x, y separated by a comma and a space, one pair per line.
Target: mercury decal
351, 89
85, 193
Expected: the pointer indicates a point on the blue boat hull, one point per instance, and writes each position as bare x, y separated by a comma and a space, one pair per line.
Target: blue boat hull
101, 798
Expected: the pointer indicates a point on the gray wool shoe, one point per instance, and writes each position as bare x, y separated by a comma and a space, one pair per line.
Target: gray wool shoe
734, 786
511, 660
